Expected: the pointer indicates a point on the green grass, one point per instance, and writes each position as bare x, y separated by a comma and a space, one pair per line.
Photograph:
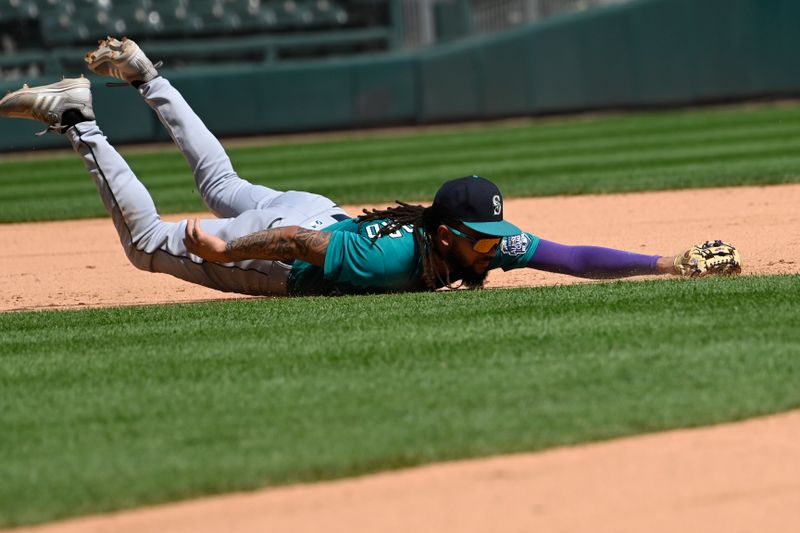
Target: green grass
113, 408
635, 152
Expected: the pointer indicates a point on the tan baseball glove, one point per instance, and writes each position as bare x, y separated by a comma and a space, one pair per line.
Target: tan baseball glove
710, 258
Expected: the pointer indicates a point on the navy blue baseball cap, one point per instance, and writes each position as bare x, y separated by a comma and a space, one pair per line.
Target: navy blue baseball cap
477, 203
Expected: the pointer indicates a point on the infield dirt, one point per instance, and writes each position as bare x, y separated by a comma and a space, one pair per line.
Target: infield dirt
731, 478
59, 265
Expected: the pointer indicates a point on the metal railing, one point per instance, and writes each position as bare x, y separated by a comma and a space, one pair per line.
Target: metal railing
423, 19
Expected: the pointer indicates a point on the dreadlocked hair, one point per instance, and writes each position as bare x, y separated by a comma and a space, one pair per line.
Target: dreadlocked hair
426, 219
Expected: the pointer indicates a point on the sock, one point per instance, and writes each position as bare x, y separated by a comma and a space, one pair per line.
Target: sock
138, 83
70, 117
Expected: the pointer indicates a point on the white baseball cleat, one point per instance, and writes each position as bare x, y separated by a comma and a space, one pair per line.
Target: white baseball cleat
121, 59
49, 102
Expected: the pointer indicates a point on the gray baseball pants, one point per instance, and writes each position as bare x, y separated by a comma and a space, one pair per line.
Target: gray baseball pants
157, 246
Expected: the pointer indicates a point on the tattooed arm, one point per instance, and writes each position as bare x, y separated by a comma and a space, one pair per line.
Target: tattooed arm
279, 244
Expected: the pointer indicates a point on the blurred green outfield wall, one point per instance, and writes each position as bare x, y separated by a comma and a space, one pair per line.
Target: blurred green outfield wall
648, 53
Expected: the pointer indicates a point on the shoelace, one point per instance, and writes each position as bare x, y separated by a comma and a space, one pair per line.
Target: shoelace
58, 128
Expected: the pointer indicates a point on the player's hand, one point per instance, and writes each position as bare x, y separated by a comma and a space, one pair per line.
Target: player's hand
711, 258
205, 245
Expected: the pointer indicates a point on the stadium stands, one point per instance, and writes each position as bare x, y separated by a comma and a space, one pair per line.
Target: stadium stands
42, 36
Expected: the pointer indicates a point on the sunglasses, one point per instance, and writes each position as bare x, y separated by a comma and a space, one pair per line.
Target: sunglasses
488, 245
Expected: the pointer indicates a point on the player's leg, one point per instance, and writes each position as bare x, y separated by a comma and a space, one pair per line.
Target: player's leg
221, 188
150, 243
223, 191
157, 246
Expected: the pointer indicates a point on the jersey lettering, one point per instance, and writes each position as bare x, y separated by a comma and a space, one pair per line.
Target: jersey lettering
373, 229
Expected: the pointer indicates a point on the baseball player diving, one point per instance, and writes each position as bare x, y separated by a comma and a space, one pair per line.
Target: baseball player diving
270, 242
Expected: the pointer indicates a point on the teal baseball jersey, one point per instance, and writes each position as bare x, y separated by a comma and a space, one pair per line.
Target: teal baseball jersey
357, 262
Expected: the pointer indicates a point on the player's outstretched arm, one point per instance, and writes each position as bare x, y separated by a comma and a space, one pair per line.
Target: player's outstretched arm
595, 262
278, 244
709, 258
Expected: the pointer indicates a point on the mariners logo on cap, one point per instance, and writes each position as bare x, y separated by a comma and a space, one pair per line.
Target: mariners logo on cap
477, 203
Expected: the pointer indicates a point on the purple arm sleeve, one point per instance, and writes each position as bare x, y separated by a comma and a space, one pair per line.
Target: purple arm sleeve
591, 261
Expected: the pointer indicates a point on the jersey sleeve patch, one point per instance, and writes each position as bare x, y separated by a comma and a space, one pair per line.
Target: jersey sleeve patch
515, 245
